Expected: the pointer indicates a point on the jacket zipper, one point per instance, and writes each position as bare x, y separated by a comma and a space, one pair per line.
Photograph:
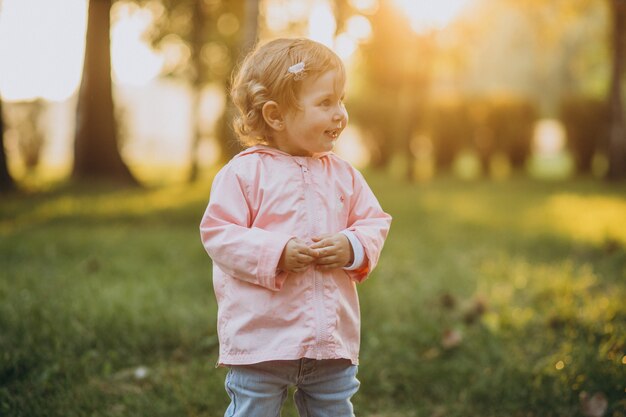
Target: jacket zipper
318, 285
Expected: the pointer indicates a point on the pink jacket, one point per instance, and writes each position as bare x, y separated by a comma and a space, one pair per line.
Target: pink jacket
262, 198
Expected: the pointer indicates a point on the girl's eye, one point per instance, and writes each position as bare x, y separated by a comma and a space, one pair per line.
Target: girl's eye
326, 103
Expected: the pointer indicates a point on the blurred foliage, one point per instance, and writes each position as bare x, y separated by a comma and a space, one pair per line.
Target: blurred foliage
487, 127
451, 131
586, 122
401, 76
202, 37
26, 132
562, 45
511, 122
207, 39
393, 88
485, 98
7, 183
538, 51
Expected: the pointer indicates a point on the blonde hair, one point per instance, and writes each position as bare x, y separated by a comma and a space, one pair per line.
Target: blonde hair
264, 76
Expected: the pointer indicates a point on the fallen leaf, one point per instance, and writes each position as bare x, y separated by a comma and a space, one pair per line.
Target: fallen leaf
594, 405
448, 301
451, 339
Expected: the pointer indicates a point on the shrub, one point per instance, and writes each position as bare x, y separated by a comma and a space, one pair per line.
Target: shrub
511, 123
586, 122
451, 131
486, 126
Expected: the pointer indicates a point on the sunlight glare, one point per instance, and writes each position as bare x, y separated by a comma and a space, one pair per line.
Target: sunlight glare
42, 45
275, 17
227, 24
175, 52
549, 137
428, 15
365, 6
345, 46
350, 147
322, 25
359, 28
589, 218
133, 60
279, 14
298, 10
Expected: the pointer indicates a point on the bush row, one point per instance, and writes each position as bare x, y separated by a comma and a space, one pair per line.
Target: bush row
506, 126
586, 121
486, 127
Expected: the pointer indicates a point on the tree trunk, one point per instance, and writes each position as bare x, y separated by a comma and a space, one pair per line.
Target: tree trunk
196, 98
6, 180
251, 25
197, 42
617, 127
96, 153
226, 137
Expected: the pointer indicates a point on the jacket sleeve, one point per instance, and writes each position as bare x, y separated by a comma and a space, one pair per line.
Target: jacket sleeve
369, 223
247, 253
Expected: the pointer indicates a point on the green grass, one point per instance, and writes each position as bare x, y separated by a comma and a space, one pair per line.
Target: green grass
106, 304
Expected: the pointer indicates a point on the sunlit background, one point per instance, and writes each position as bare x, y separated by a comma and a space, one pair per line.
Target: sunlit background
466, 49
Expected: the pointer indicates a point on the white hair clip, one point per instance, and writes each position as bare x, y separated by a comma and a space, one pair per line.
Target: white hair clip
297, 70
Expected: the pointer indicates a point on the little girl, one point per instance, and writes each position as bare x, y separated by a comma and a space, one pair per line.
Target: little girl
291, 228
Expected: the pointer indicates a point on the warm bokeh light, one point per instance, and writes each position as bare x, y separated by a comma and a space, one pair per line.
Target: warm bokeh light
549, 137
365, 6
41, 48
345, 46
132, 59
322, 25
42, 45
359, 28
427, 15
280, 13
350, 147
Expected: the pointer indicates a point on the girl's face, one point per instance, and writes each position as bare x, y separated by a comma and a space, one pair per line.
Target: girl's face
322, 116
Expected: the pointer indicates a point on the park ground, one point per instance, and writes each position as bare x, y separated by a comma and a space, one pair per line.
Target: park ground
492, 298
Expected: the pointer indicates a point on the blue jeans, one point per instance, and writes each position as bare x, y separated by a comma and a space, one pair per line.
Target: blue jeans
324, 388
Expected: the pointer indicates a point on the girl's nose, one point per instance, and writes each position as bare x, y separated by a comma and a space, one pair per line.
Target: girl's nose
340, 115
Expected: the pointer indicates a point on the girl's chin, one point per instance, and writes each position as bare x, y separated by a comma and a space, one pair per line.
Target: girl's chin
329, 146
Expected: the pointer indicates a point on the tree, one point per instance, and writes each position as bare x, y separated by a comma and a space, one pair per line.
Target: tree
96, 152
6, 180
396, 75
212, 31
552, 21
617, 126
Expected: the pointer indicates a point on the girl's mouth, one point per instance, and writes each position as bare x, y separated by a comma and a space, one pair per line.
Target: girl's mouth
333, 133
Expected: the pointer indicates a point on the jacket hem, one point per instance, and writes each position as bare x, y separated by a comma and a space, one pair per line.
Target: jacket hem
249, 359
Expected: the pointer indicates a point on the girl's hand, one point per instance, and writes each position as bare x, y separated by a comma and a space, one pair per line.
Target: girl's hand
333, 251
296, 256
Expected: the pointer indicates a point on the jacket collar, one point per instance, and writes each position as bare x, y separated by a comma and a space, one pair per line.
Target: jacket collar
277, 152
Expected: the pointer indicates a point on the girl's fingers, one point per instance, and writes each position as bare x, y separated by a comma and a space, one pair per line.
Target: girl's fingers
320, 237
324, 250
306, 259
307, 251
327, 260
322, 243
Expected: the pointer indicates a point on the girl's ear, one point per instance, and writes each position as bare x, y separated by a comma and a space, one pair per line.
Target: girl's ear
272, 115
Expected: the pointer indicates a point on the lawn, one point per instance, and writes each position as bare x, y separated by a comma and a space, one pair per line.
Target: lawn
490, 299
